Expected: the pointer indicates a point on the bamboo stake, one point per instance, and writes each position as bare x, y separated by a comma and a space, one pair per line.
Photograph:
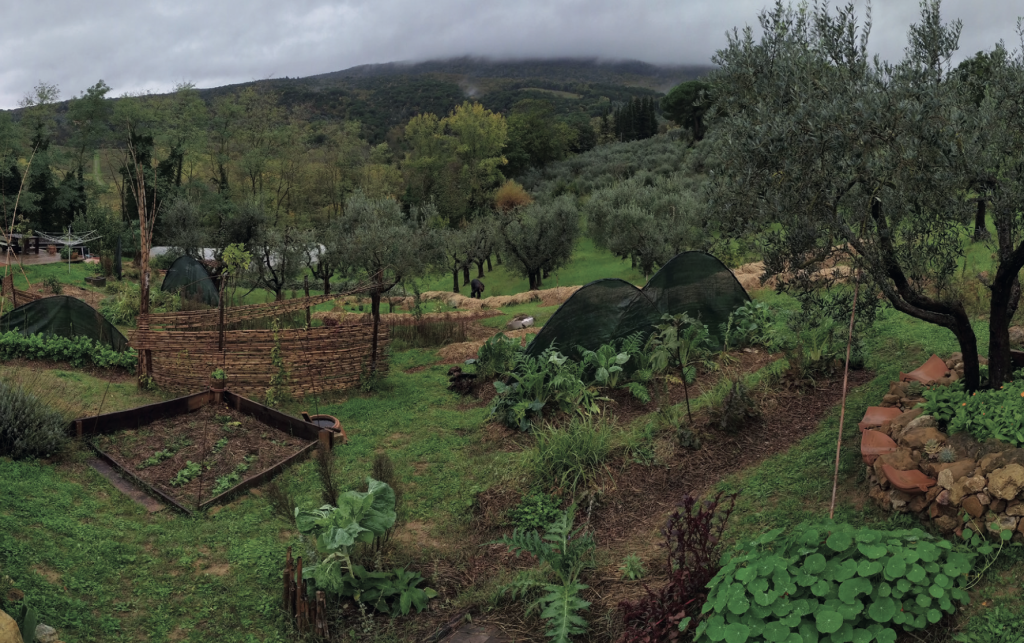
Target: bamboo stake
842, 408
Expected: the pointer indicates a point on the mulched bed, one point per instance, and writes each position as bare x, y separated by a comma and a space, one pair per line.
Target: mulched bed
215, 435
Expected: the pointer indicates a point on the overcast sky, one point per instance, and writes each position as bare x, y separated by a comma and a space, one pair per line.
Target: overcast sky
140, 45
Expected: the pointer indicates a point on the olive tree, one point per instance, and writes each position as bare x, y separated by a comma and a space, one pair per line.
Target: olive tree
822, 153
376, 242
538, 238
649, 219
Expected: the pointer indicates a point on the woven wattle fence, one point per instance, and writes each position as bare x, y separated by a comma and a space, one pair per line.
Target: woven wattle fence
185, 347
15, 296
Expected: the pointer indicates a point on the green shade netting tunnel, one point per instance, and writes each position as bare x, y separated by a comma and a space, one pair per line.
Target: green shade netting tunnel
192, 279
609, 310
65, 317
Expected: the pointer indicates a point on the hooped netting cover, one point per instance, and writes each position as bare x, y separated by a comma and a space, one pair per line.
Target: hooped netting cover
65, 317
191, 277
608, 310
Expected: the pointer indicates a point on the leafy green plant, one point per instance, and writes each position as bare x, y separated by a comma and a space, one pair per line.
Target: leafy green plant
358, 518
683, 342
497, 356
53, 285
27, 620
985, 414
632, 568
750, 325
605, 363
78, 351
570, 457
834, 582
28, 427
549, 378
737, 409
225, 482
947, 455
534, 511
187, 474
219, 374
564, 553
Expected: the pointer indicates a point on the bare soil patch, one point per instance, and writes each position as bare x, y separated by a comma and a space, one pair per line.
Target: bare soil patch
217, 437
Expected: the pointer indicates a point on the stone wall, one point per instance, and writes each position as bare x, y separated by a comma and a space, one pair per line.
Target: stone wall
983, 481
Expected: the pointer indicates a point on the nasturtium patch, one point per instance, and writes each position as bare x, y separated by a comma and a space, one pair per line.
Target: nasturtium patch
836, 584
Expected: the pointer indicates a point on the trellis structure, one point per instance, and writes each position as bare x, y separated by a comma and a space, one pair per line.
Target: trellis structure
17, 297
185, 347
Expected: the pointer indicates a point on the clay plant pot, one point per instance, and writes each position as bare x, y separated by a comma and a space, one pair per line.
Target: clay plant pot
51, 250
327, 422
74, 256
218, 386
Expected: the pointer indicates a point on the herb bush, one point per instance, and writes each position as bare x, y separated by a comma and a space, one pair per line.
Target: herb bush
78, 351
28, 427
693, 543
833, 582
985, 414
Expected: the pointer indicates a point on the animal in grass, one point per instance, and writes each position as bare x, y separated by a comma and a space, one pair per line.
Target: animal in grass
476, 288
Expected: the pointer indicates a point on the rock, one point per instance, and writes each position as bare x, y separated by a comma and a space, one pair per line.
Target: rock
998, 505
942, 498
880, 498
965, 446
1016, 335
933, 493
972, 506
945, 479
954, 376
45, 634
944, 381
1006, 457
1015, 508
984, 499
957, 356
1001, 522
256, 492
890, 400
946, 524
900, 459
899, 389
1006, 482
9, 632
974, 484
987, 464
918, 503
899, 422
950, 363
919, 421
1020, 526
916, 437
899, 502
957, 470
957, 491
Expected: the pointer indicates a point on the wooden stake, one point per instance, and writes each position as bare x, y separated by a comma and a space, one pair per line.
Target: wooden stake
842, 407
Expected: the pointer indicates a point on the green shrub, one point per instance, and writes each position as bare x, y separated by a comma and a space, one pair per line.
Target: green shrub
571, 457
833, 582
78, 351
28, 428
534, 511
995, 625
54, 285
542, 383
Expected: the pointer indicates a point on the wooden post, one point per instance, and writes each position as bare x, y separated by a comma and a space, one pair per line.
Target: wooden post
300, 598
321, 614
223, 278
305, 285
288, 602
326, 440
78, 429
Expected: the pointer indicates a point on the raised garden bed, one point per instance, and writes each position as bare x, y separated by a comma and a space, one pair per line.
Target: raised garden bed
195, 451
941, 473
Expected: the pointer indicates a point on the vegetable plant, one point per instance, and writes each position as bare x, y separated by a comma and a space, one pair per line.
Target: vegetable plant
534, 511
535, 382
359, 517
187, 474
78, 351
564, 554
606, 364
219, 375
833, 582
683, 342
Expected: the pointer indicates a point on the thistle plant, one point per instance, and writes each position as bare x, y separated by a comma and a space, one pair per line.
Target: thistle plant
947, 455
